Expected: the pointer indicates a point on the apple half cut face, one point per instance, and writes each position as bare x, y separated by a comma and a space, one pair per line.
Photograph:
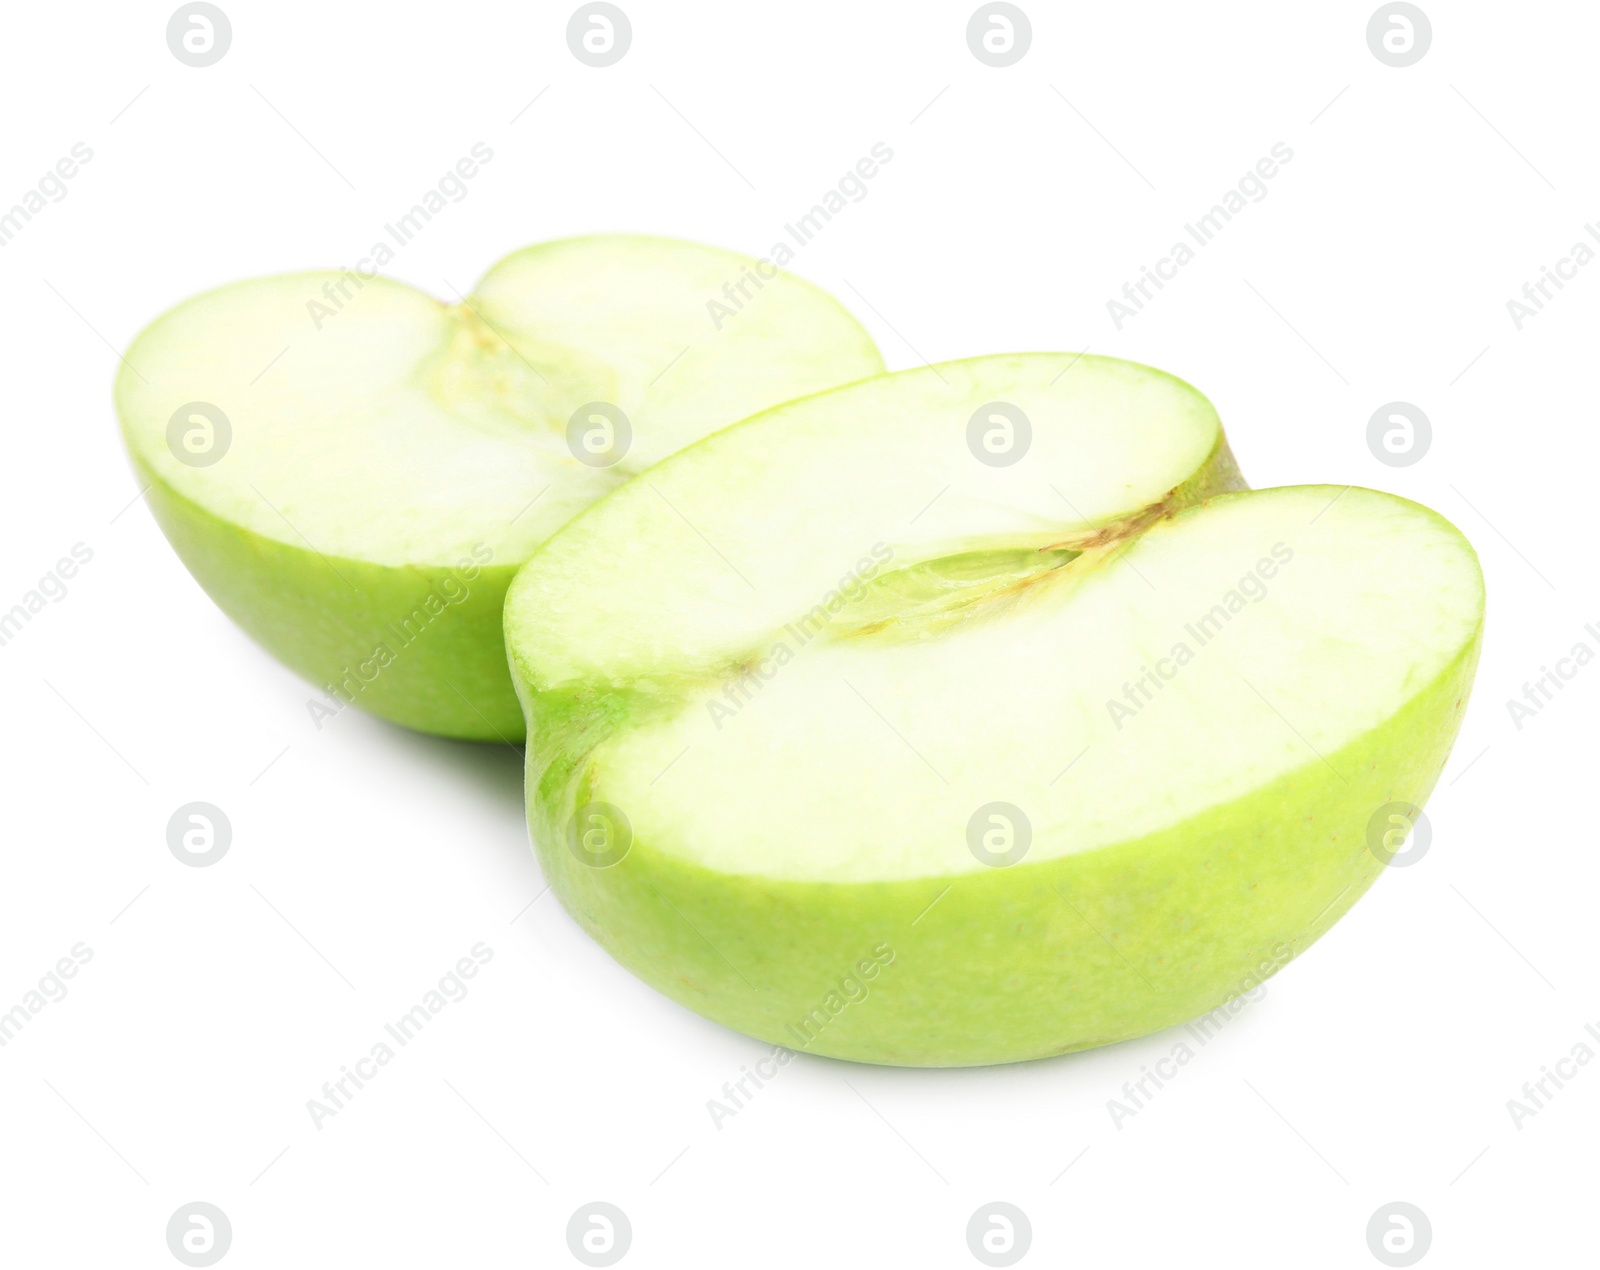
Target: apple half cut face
978, 713
354, 470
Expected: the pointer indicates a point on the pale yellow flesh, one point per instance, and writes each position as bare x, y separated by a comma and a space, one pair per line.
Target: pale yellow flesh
408, 428
1227, 646
806, 701
795, 663
395, 457
710, 557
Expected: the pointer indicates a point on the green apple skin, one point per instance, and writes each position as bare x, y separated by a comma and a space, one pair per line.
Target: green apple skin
355, 629
341, 620
1007, 964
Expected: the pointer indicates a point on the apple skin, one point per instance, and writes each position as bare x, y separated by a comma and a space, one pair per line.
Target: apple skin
1006, 964
299, 606
332, 618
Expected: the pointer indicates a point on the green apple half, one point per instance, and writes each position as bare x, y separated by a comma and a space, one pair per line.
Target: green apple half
354, 470
978, 713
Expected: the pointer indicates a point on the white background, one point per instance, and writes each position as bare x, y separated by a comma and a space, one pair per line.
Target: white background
367, 860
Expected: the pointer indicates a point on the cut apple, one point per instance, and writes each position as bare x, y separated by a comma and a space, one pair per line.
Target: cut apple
857, 730
354, 470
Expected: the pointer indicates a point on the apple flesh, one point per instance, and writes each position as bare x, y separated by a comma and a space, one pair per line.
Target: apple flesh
855, 733
382, 468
